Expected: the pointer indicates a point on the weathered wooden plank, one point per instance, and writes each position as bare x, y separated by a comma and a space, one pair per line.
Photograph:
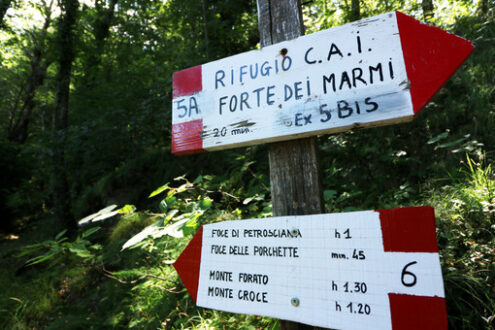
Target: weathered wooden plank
294, 167
294, 177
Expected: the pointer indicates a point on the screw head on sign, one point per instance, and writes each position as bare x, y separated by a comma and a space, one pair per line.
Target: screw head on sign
294, 301
295, 232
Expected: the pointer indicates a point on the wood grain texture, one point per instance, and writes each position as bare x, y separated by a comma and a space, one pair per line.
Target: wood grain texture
294, 169
279, 20
295, 177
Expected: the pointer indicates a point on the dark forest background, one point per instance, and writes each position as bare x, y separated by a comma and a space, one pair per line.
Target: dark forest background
85, 120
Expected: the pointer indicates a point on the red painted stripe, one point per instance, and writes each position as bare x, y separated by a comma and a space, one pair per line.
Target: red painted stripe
187, 82
186, 137
189, 262
409, 229
417, 312
431, 56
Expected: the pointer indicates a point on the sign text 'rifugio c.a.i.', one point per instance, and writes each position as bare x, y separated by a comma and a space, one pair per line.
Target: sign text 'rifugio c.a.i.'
377, 71
358, 270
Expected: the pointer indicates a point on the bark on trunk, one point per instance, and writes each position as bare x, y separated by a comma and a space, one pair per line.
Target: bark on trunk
104, 20
4, 6
18, 130
428, 8
61, 196
294, 169
355, 11
483, 7
102, 26
205, 29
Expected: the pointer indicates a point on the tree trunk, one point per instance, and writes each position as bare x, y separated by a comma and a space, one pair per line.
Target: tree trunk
294, 168
205, 29
18, 130
104, 20
428, 8
355, 11
61, 196
4, 6
483, 7
102, 27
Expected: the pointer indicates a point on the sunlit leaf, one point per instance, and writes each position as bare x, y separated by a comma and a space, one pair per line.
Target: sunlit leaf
247, 200
127, 209
205, 203
163, 206
159, 190
146, 232
100, 215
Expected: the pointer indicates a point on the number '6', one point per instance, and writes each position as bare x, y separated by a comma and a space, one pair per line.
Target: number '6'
405, 272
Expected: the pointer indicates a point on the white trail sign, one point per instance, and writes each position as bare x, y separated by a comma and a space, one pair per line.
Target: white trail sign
377, 71
359, 270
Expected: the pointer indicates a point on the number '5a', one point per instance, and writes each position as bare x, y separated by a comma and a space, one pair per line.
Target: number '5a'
408, 278
183, 108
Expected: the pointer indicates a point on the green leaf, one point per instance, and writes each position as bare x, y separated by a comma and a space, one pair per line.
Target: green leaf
247, 200
184, 187
159, 190
170, 201
127, 209
90, 232
30, 249
246, 165
96, 247
205, 203
171, 214
163, 206
174, 230
39, 259
453, 143
199, 179
81, 251
256, 197
189, 228
180, 178
60, 234
438, 138
329, 194
146, 232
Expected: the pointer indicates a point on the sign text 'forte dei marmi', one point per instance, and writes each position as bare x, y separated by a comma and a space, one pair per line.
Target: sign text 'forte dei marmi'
376, 71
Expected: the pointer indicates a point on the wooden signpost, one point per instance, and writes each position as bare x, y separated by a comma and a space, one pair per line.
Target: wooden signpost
377, 71
360, 270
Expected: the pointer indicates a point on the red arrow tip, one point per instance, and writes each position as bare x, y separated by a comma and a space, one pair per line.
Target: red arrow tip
188, 263
431, 56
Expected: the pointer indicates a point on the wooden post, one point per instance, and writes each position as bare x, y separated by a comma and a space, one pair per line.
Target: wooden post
294, 169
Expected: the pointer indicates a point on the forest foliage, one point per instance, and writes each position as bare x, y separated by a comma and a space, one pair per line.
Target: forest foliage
85, 118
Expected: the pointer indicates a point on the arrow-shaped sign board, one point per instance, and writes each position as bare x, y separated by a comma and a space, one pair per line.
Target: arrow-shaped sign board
377, 71
360, 270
